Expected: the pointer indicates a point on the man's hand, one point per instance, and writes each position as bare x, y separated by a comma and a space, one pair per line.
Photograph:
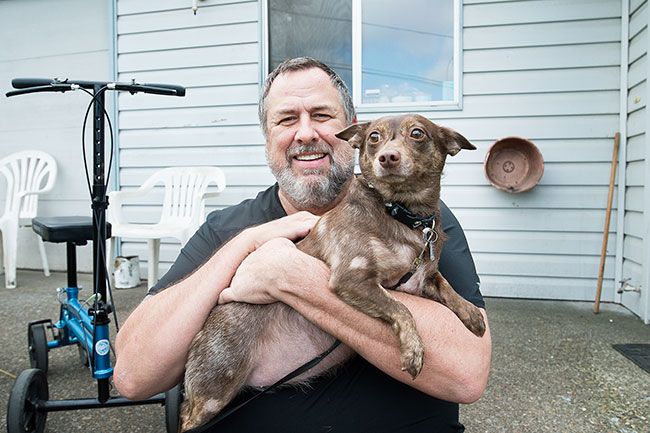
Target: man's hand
277, 262
294, 227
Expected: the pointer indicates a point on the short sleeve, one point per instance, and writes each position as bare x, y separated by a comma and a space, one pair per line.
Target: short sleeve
196, 251
456, 263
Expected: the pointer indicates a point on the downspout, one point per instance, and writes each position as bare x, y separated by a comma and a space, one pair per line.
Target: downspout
622, 153
645, 283
113, 100
263, 37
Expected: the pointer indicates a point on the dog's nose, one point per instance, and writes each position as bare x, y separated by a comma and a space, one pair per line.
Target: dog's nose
390, 159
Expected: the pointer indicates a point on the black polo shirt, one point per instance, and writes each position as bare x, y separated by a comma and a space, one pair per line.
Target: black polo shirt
359, 397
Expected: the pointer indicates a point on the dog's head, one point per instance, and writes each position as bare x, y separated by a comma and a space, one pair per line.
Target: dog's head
400, 150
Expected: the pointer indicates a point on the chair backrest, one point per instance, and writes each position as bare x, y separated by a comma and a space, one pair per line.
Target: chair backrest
28, 173
185, 188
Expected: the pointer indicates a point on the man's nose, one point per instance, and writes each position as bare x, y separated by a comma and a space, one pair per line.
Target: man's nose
306, 132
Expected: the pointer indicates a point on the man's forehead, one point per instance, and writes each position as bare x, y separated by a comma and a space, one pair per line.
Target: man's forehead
311, 87
292, 105
307, 77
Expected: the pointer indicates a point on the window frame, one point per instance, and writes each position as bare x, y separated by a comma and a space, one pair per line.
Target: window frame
454, 104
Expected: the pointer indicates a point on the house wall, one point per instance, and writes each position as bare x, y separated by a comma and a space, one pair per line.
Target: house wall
556, 83
215, 54
548, 71
69, 40
636, 241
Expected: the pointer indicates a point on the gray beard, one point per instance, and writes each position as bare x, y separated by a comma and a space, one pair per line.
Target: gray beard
313, 193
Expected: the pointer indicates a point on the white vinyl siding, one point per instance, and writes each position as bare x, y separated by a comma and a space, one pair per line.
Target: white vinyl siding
548, 71
215, 54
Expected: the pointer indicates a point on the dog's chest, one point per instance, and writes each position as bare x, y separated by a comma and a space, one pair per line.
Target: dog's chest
397, 259
360, 236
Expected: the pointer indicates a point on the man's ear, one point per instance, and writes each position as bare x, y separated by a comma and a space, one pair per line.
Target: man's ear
353, 134
454, 142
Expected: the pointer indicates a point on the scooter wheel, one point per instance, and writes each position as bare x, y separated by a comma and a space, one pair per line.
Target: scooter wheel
22, 414
173, 400
37, 341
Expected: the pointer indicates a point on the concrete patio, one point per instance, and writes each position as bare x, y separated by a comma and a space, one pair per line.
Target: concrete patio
554, 369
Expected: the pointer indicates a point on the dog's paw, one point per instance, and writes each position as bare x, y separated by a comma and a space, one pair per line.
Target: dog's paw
413, 358
197, 411
473, 320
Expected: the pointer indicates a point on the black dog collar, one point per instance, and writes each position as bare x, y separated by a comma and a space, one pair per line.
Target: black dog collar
405, 216
408, 218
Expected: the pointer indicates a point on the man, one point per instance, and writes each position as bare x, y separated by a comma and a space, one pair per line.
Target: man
242, 254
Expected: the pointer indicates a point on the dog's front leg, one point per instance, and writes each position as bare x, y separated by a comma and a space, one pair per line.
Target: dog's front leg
438, 289
363, 292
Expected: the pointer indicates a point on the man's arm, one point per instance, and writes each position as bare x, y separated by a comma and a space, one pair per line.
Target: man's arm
456, 364
153, 343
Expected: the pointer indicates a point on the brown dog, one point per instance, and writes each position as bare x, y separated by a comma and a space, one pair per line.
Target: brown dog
368, 251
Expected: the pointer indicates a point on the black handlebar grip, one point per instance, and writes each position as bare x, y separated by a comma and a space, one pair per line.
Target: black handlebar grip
180, 90
23, 83
48, 88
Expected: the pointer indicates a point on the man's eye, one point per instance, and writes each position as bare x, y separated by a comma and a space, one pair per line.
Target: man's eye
374, 137
286, 120
322, 116
417, 134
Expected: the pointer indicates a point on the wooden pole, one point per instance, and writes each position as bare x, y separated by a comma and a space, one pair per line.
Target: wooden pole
608, 214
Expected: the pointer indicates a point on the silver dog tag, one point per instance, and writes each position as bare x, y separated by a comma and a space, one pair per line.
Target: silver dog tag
427, 235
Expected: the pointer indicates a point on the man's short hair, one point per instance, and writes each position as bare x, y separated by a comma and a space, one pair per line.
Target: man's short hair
300, 64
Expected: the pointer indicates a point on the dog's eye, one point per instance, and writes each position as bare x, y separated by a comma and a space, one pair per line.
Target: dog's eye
374, 137
417, 134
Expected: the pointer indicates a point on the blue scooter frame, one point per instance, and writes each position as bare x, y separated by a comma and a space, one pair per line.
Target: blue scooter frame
84, 331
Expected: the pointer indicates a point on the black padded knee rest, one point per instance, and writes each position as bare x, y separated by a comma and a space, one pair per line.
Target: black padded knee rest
75, 229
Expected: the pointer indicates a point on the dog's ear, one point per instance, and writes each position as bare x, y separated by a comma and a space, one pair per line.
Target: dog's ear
353, 134
455, 142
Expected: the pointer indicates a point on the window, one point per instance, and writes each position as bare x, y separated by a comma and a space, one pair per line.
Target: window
391, 54
314, 28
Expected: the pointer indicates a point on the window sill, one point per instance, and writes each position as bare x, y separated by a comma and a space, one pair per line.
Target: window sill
408, 107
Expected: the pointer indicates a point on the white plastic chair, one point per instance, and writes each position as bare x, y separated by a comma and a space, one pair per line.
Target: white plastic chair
183, 210
28, 174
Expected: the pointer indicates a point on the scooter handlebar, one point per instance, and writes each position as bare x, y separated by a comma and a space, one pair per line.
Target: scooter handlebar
58, 85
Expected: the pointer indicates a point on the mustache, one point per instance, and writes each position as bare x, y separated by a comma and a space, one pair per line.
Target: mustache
308, 148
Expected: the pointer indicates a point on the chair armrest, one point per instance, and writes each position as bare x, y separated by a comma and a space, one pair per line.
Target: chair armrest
22, 194
120, 196
117, 198
211, 194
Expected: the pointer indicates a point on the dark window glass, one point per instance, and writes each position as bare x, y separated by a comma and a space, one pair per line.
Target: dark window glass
314, 28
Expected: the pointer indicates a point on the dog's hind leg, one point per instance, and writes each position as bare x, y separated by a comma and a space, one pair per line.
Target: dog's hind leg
200, 407
439, 289
220, 361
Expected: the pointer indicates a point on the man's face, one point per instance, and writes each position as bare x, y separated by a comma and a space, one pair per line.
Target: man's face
310, 163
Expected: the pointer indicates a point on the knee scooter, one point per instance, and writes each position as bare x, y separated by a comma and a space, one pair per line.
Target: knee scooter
83, 325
